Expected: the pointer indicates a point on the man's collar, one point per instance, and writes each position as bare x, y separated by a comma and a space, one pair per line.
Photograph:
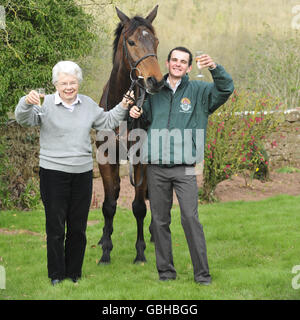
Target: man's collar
183, 80
176, 85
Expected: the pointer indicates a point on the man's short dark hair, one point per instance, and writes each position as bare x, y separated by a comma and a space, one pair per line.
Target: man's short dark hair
184, 50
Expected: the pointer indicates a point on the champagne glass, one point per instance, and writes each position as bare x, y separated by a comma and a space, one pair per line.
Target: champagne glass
197, 58
41, 92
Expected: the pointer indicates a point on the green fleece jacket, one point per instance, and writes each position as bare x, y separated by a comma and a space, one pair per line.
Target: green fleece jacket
176, 123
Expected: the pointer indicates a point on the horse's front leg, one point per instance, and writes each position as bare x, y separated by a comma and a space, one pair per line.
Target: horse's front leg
139, 210
111, 184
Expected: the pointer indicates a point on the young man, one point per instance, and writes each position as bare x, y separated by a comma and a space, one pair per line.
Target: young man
177, 114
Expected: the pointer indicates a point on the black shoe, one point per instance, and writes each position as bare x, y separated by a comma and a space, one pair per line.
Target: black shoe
204, 283
74, 279
164, 278
54, 282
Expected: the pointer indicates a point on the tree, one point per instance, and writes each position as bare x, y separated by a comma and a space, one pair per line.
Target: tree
38, 34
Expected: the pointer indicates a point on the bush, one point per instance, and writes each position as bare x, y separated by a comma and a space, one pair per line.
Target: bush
235, 136
38, 34
4, 167
19, 156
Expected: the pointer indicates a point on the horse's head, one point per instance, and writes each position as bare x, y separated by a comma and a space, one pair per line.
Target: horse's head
138, 43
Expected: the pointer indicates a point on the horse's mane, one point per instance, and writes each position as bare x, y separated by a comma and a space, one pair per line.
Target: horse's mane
135, 22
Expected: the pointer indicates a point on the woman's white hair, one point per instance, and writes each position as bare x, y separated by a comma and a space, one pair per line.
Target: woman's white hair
67, 67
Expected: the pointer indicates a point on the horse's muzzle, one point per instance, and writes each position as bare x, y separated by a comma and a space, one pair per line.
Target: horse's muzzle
153, 86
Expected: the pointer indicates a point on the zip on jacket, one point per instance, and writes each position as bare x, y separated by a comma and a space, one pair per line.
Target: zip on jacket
186, 111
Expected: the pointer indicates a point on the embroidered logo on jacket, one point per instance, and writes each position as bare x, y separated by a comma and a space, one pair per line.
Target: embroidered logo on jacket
185, 105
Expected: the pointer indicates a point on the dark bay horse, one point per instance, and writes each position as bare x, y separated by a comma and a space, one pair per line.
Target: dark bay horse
134, 59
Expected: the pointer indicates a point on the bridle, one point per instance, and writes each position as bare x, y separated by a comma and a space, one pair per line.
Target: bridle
133, 66
138, 101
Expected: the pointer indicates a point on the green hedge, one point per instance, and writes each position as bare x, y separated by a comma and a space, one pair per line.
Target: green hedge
38, 34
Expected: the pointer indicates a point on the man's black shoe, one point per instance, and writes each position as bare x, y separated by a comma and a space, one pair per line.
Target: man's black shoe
204, 283
164, 278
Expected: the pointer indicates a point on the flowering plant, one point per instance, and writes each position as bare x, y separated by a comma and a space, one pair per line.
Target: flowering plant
235, 139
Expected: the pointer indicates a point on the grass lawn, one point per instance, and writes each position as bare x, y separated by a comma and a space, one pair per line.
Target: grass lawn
252, 248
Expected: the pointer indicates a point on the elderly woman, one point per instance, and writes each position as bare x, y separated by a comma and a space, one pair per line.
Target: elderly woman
66, 163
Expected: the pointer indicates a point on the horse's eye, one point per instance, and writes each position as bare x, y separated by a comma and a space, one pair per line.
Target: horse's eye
131, 43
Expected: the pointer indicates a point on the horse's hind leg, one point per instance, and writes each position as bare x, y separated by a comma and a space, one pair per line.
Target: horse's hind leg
111, 184
139, 210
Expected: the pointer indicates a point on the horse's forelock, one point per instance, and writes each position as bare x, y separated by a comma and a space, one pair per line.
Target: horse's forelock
138, 21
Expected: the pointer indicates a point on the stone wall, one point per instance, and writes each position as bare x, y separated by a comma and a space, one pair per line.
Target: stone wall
283, 146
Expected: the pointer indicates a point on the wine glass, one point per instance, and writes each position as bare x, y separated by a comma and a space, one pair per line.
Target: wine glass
41, 92
197, 58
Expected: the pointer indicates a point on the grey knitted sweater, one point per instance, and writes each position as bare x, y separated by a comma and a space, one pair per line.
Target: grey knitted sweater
65, 142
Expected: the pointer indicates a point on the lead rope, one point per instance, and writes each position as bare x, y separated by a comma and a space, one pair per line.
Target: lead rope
135, 124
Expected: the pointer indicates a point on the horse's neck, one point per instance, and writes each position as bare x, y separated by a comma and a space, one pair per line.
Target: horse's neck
117, 86
103, 101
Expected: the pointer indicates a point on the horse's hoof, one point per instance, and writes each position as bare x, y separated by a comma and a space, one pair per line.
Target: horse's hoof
103, 262
139, 260
105, 259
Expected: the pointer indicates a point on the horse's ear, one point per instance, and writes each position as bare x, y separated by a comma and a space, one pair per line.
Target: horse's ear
151, 16
122, 16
